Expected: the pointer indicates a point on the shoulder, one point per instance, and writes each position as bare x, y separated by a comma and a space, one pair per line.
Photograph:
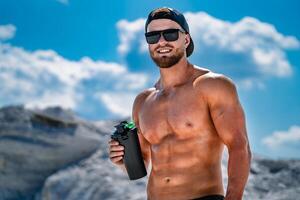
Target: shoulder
144, 94
214, 86
214, 81
140, 98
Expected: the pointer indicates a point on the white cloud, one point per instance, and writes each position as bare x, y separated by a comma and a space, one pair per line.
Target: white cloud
272, 62
33, 64
248, 50
131, 81
8, 79
66, 99
128, 32
118, 103
44, 78
241, 36
7, 31
280, 138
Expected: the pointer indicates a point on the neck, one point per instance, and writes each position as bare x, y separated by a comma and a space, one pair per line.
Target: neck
175, 75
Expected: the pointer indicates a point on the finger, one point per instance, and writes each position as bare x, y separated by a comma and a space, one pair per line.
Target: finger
116, 159
113, 142
116, 153
117, 148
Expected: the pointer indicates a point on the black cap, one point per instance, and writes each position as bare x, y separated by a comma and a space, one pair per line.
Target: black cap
174, 15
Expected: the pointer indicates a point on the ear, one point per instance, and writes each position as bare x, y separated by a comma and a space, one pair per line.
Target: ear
187, 40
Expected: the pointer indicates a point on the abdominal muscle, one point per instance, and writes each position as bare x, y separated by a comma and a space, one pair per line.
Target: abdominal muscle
185, 169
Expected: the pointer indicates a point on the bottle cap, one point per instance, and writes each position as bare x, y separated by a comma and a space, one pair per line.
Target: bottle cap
130, 125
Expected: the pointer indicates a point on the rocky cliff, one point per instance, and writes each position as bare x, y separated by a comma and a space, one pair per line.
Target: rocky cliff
53, 155
35, 144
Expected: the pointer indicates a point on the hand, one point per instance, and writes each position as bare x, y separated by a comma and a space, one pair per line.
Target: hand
116, 152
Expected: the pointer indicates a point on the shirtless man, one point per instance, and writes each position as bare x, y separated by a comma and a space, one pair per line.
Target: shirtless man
185, 121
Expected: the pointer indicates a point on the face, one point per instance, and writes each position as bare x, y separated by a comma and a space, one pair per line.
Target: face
167, 53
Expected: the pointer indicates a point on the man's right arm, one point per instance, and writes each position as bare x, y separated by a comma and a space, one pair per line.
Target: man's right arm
145, 145
116, 151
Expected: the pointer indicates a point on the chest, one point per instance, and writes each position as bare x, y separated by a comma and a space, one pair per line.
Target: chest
181, 113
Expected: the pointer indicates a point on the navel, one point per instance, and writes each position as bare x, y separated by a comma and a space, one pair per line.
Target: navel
167, 179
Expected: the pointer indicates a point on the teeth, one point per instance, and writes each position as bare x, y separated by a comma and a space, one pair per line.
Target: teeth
164, 50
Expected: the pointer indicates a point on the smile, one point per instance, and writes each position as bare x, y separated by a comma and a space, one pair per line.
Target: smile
164, 50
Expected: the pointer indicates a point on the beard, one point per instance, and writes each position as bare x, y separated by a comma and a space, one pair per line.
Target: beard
168, 61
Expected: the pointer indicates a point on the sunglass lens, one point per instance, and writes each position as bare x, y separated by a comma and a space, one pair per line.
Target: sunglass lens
152, 38
171, 35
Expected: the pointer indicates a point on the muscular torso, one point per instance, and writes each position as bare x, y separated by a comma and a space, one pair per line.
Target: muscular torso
185, 148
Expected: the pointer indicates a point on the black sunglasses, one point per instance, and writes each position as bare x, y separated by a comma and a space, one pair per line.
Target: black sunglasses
168, 34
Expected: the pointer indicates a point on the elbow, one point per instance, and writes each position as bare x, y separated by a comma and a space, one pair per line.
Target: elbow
246, 150
249, 153
241, 147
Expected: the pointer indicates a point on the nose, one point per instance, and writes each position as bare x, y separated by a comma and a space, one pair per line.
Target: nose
162, 40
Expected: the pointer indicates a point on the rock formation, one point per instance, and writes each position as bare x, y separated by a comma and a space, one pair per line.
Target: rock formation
53, 155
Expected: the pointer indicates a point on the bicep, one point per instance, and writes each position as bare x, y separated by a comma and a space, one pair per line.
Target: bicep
229, 118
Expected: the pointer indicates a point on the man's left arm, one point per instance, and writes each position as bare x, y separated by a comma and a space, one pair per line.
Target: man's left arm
229, 120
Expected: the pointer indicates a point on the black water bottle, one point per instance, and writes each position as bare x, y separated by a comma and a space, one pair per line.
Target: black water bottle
126, 135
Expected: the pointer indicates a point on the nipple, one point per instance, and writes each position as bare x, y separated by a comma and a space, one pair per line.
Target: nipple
189, 124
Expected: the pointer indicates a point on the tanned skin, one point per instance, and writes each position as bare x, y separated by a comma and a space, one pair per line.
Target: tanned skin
184, 123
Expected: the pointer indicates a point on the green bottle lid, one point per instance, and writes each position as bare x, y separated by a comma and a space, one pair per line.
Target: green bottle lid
130, 125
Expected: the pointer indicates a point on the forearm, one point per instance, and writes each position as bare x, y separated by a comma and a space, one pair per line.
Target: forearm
238, 171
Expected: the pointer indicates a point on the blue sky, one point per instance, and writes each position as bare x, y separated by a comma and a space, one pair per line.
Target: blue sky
91, 56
